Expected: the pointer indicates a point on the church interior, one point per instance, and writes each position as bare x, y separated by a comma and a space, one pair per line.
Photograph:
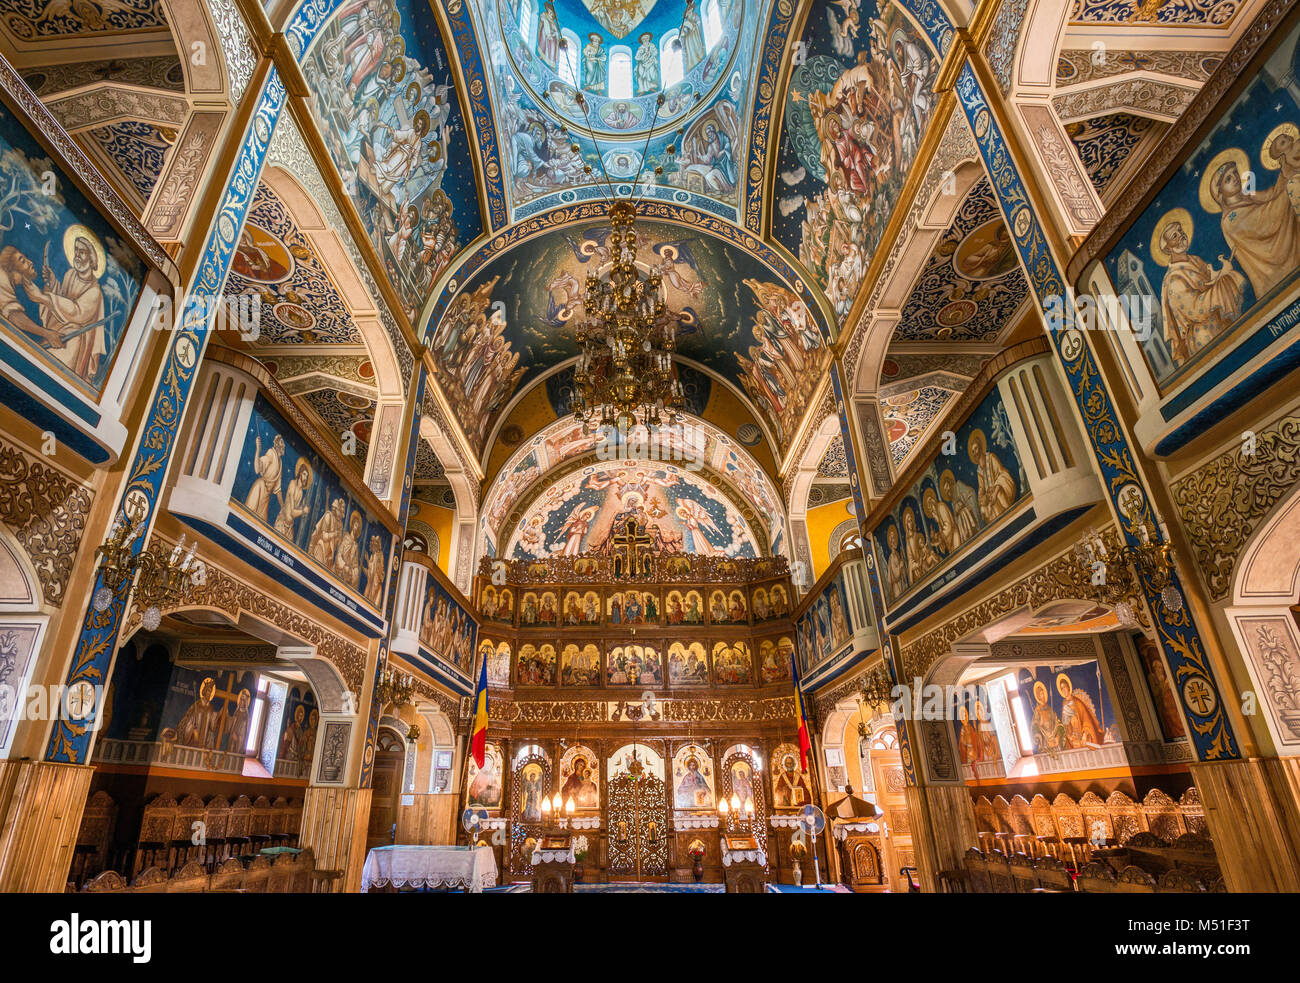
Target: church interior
682, 446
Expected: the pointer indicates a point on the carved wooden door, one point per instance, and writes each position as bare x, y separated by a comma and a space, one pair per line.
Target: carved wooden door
638, 827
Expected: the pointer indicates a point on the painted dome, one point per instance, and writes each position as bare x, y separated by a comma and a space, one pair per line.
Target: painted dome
618, 67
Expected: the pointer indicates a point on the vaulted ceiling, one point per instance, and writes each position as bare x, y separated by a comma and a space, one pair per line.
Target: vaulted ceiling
470, 148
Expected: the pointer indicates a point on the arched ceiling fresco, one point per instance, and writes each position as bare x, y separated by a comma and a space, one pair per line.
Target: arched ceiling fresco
697, 443
708, 398
511, 321
856, 108
383, 95
622, 82
684, 511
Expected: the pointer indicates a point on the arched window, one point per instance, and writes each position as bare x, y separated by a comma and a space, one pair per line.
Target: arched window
527, 25
712, 24
670, 59
620, 73
851, 541
569, 55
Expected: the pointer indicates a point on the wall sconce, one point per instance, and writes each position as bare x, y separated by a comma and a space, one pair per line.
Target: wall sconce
1114, 574
159, 582
396, 688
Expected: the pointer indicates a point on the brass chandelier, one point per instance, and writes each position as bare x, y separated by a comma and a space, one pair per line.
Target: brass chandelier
626, 340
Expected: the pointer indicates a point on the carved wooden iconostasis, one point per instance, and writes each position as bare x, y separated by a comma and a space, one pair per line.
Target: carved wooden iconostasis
645, 687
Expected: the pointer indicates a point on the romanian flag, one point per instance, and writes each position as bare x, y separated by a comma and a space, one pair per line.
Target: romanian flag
805, 743
478, 736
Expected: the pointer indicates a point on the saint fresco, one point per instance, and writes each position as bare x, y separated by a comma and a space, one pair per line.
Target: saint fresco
68, 285
955, 499
287, 489
1222, 237
1068, 707
447, 629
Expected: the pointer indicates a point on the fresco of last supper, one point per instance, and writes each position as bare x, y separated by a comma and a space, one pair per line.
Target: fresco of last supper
453, 447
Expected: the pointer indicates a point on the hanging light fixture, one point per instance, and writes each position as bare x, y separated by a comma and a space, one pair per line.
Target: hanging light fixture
626, 340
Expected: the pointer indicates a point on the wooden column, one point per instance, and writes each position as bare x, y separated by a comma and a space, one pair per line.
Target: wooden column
1252, 807
40, 811
943, 829
334, 822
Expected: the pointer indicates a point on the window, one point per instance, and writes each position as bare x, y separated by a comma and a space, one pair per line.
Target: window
670, 59
851, 541
712, 24
527, 29
1018, 714
253, 743
569, 54
620, 73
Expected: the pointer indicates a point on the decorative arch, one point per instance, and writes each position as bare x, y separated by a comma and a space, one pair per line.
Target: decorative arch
1263, 618
563, 440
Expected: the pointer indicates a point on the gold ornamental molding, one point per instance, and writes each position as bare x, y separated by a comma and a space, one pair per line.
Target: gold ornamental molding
1059, 578
224, 592
1223, 501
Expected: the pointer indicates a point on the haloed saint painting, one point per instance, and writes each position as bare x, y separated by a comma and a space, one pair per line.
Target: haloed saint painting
68, 285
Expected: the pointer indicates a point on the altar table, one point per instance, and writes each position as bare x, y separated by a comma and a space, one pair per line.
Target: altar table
471, 868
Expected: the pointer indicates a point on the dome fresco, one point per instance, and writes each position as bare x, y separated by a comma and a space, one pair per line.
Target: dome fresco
621, 57
622, 84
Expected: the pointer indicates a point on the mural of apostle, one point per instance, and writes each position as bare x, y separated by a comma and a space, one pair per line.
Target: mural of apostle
375, 572
268, 466
293, 502
548, 35
1197, 302
691, 37
647, 65
997, 489
594, 69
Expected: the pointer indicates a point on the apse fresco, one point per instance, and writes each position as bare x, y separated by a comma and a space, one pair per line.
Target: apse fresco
515, 318
955, 499
447, 629
1067, 706
285, 487
566, 68
681, 512
695, 442
855, 112
68, 284
383, 95
1222, 237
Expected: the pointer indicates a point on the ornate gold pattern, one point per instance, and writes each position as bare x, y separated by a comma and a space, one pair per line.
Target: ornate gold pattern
46, 510
1223, 500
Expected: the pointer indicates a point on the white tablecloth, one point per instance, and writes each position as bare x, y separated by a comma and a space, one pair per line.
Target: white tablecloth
430, 866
